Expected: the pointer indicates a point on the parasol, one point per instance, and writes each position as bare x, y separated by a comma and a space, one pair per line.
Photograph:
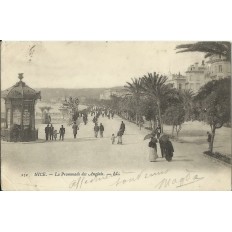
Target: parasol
148, 136
164, 137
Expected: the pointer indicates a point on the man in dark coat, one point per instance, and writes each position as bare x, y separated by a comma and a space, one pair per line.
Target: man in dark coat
122, 127
47, 131
101, 130
75, 128
62, 132
96, 129
51, 132
85, 118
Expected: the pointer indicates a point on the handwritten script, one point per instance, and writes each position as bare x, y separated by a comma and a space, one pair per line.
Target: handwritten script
190, 177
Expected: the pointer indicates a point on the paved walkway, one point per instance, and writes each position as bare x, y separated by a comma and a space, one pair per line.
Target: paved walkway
189, 170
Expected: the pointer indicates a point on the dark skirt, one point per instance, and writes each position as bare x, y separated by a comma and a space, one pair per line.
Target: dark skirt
168, 156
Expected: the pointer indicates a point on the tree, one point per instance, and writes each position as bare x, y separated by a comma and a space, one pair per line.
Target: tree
48, 108
135, 88
42, 108
212, 104
186, 98
154, 87
175, 116
209, 48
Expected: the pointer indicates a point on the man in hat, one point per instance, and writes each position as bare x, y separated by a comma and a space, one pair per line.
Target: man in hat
62, 132
51, 132
75, 128
47, 131
101, 130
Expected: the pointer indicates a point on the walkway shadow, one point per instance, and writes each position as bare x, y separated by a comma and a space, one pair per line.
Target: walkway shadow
218, 147
181, 160
29, 142
77, 140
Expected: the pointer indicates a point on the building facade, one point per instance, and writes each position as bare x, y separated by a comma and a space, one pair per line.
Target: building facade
177, 81
217, 68
106, 95
118, 92
195, 76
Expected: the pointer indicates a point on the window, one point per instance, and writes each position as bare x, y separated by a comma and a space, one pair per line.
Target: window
180, 86
220, 68
215, 69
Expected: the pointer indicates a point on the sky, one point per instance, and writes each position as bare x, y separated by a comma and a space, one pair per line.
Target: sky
89, 64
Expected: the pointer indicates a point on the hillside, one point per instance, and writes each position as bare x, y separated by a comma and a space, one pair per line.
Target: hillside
58, 93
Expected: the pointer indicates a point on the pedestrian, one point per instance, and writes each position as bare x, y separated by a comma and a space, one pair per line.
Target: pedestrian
168, 150
113, 138
96, 129
94, 119
158, 131
49, 118
119, 134
101, 130
47, 131
122, 127
55, 134
85, 118
153, 149
62, 132
51, 132
75, 128
209, 139
161, 142
15, 132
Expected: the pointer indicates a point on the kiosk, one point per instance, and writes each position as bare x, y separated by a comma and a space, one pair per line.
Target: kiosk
20, 102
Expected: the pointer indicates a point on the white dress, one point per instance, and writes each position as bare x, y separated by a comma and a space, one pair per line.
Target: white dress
152, 154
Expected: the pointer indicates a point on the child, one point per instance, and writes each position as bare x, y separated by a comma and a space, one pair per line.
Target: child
113, 138
55, 134
120, 133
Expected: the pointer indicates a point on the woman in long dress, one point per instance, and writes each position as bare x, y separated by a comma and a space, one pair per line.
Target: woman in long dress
153, 150
168, 150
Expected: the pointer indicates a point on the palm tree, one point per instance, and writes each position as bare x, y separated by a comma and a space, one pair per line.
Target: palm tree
187, 101
154, 87
209, 48
128, 105
42, 108
48, 108
135, 88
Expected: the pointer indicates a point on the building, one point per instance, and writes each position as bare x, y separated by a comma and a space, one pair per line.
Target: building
217, 68
20, 101
108, 93
198, 75
177, 81
195, 76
